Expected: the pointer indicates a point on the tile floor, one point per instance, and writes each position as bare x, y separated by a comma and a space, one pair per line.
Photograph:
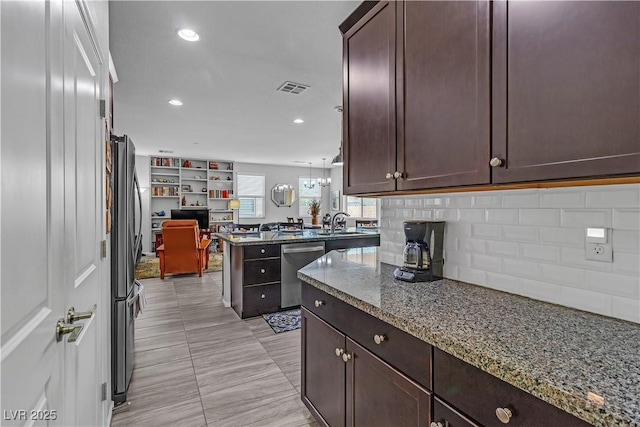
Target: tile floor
198, 364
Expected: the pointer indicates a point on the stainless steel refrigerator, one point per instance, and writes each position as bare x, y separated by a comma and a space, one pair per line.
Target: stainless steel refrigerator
126, 241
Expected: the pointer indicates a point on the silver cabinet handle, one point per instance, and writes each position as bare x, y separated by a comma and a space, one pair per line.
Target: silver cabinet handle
72, 316
388, 175
262, 251
346, 357
496, 162
66, 328
262, 270
436, 424
504, 415
339, 352
262, 296
379, 339
397, 175
318, 303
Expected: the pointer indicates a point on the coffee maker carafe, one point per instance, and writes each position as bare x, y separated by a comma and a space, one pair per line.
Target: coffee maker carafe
423, 251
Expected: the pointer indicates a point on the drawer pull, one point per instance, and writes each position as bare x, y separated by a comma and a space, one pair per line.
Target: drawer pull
504, 415
388, 175
339, 352
346, 357
262, 270
379, 339
495, 163
262, 296
262, 250
318, 303
436, 424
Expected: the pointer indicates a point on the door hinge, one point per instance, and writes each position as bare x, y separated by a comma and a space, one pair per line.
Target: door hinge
103, 249
104, 391
103, 108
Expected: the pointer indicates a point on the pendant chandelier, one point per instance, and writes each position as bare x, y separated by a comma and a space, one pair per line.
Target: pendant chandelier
311, 183
324, 181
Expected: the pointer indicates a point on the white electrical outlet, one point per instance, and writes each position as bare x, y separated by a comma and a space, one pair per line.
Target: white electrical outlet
599, 252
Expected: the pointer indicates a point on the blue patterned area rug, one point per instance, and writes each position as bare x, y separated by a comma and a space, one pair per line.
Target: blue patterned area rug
283, 321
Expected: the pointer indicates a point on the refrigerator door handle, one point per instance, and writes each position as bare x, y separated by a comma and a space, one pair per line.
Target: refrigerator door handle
138, 241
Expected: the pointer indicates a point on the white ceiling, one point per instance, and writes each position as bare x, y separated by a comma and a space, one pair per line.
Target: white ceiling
228, 80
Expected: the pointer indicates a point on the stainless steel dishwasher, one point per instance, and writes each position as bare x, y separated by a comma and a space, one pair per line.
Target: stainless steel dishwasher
294, 257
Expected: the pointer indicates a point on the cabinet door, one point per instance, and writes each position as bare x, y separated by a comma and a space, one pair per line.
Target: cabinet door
323, 370
566, 89
444, 86
369, 118
378, 395
446, 416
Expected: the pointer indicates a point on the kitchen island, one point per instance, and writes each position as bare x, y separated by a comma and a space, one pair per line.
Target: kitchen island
253, 266
583, 364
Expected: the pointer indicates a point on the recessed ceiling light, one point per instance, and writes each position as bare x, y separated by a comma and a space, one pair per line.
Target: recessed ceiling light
298, 121
175, 102
188, 35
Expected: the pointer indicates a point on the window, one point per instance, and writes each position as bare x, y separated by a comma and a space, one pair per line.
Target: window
307, 194
251, 196
362, 207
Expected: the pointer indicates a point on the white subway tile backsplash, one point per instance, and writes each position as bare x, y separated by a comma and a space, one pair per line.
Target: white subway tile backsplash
540, 252
594, 302
585, 218
544, 217
520, 233
518, 199
626, 219
562, 199
531, 242
613, 284
609, 197
501, 216
499, 247
627, 309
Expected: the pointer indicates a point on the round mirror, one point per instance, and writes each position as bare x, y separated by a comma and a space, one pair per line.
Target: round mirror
283, 195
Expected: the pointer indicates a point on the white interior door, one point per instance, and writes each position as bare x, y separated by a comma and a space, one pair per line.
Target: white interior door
83, 215
49, 217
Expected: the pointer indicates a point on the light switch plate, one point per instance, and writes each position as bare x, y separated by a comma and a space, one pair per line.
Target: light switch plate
599, 252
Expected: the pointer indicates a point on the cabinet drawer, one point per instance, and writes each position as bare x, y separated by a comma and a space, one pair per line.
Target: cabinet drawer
447, 416
260, 299
261, 271
261, 251
406, 353
478, 395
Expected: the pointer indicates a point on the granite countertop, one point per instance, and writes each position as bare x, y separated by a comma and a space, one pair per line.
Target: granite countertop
556, 353
272, 237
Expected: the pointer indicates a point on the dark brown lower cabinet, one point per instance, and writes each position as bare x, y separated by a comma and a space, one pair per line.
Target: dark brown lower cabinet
445, 416
345, 384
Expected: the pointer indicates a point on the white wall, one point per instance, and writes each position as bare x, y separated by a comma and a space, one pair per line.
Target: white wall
532, 242
275, 174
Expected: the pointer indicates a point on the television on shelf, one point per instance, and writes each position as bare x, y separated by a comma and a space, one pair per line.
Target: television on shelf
202, 215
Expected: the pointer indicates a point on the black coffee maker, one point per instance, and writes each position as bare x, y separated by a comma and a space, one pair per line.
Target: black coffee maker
423, 251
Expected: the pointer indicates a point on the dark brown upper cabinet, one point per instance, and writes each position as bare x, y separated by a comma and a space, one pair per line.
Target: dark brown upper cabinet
566, 89
453, 94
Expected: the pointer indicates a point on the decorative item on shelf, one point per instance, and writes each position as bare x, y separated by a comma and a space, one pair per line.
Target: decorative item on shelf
228, 178
159, 213
204, 189
186, 189
229, 167
310, 183
197, 177
186, 164
198, 203
215, 178
213, 165
314, 210
184, 201
324, 181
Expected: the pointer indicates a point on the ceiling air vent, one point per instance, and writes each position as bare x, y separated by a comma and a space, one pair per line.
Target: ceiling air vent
294, 88
165, 151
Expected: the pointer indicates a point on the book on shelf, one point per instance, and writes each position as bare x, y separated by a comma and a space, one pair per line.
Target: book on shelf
165, 161
220, 194
164, 191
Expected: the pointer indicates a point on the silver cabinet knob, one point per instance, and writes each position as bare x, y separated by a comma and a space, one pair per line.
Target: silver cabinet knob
261, 251
262, 270
262, 296
504, 415
339, 352
436, 424
496, 162
388, 175
346, 357
379, 339
318, 303
397, 175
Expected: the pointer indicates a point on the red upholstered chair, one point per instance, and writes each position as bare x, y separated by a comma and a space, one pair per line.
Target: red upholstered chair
182, 250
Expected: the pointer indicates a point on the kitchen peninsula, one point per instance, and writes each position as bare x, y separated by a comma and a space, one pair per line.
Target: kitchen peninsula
485, 357
254, 264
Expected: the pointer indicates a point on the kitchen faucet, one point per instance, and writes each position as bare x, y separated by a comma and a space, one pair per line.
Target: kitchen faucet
333, 220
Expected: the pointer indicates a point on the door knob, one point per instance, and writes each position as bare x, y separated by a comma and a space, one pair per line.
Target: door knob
339, 352
379, 339
388, 175
261, 251
346, 357
397, 175
65, 328
72, 316
504, 415
262, 270
262, 296
496, 162
318, 303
